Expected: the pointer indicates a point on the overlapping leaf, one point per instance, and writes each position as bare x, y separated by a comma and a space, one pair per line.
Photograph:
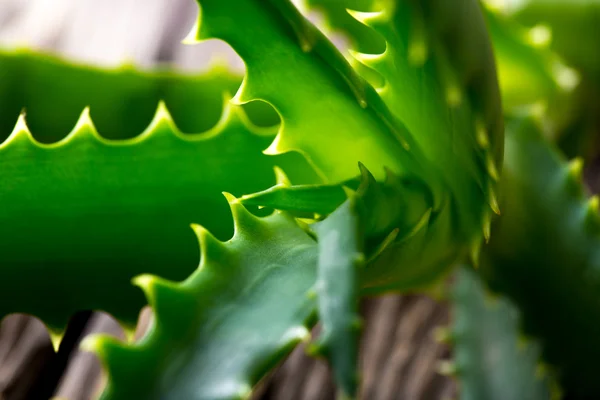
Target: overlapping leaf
447, 97
341, 258
430, 209
122, 101
492, 361
574, 25
216, 334
81, 217
528, 71
377, 237
544, 255
323, 103
571, 28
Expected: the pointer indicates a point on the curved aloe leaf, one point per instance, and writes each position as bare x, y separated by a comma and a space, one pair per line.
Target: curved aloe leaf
323, 103
491, 360
347, 239
216, 334
341, 255
354, 246
447, 98
122, 101
544, 255
302, 200
573, 26
98, 212
528, 71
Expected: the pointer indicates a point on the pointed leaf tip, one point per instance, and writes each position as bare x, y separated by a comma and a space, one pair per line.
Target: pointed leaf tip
274, 148
594, 203
145, 282
84, 126
193, 36
129, 332
575, 168
367, 17
153, 286
92, 344
231, 199
210, 246
281, 178
243, 219
55, 338
162, 117
491, 167
349, 192
493, 201
21, 125
296, 334
487, 227
481, 134
475, 253
367, 179
20, 132
366, 58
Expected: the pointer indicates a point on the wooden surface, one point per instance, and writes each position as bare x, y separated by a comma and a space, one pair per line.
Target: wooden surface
398, 356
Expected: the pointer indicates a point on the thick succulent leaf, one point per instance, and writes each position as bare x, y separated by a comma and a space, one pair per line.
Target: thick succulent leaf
122, 101
574, 26
545, 255
492, 361
528, 71
341, 254
571, 28
376, 227
447, 97
390, 225
302, 200
82, 216
400, 226
323, 103
216, 334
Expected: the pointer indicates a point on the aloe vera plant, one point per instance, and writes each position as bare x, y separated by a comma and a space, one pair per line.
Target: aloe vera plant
320, 176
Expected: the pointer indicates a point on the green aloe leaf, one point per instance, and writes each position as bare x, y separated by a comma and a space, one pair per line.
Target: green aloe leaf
98, 212
381, 228
352, 235
341, 256
323, 103
492, 361
544, 254
573, 25
437, 172
399, 224
302, 200
216, 334
448, 99
122, 101
528, 70
571, 28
